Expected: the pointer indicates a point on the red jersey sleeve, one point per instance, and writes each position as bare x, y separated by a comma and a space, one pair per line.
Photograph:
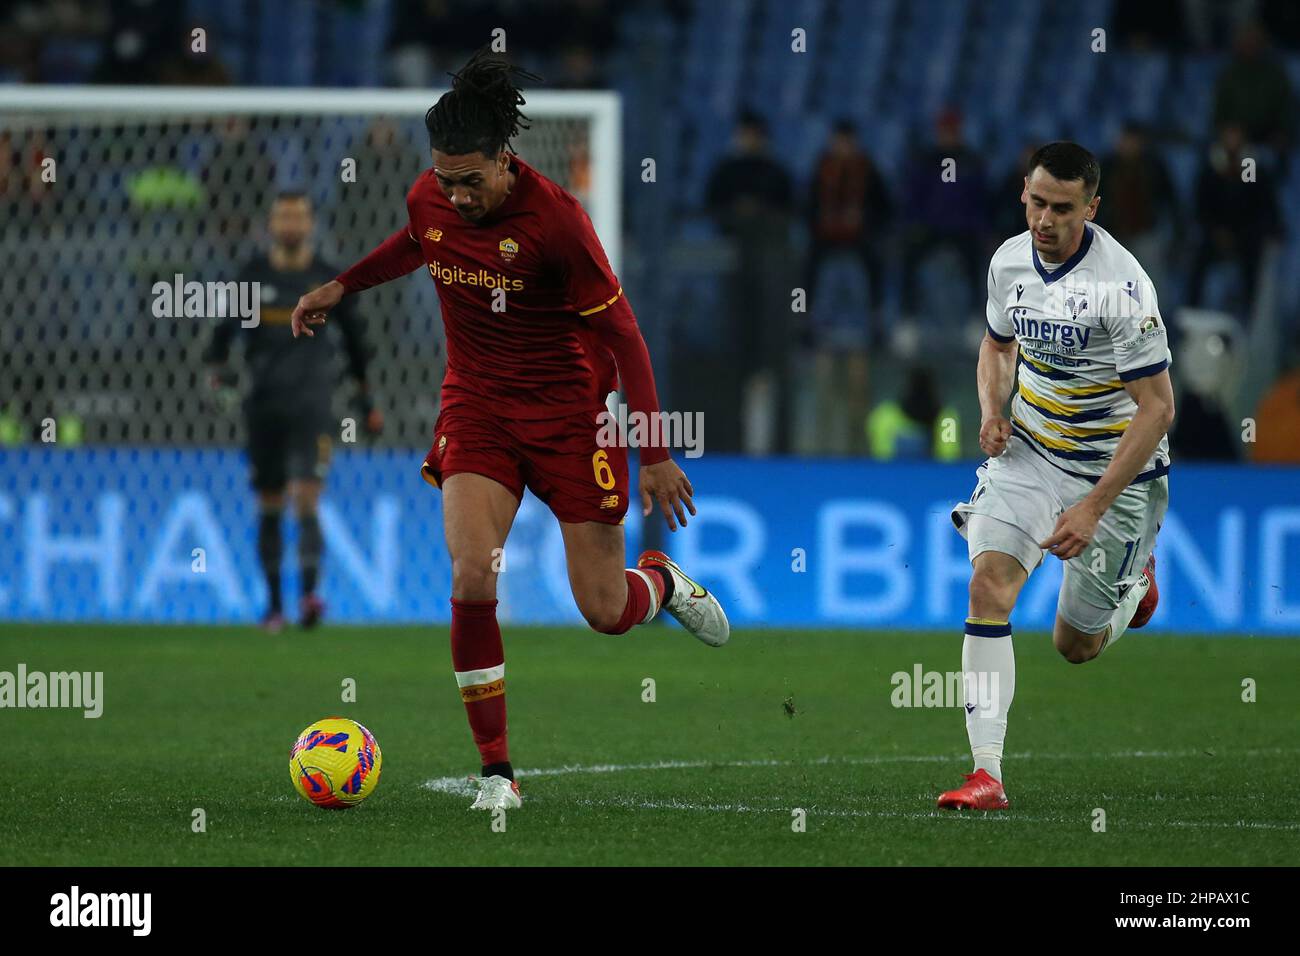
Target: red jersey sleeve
615, 327
579, 258
594, 293
393, 258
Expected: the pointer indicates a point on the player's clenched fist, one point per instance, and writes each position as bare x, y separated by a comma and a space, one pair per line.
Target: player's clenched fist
311, 308
667, 484
995, 432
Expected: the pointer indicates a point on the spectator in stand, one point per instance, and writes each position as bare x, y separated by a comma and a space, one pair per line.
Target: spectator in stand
1149, 25
578, 69
849, 209
1139, 206
139, 39
1254, 92
945, 207
1237, 216
750, 196
1007, 218
748, 180
916, 426
182, 65
848, 213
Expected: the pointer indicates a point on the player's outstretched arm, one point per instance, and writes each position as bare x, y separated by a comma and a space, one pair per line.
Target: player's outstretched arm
660, 479
995, 376
1154, 395
396, 256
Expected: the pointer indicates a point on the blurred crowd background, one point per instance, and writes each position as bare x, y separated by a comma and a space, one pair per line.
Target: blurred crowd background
814, 169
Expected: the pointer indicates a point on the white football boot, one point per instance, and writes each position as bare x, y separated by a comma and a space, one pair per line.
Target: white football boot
694, 607
497, 793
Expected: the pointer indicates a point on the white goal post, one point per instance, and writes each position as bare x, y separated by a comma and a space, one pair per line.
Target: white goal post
602, 109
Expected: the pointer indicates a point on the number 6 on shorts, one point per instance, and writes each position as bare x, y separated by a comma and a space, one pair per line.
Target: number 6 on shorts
604, 474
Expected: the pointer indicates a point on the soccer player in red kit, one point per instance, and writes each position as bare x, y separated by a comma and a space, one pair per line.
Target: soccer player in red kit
538, 333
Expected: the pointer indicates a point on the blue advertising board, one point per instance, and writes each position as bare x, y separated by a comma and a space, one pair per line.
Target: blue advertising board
168, 535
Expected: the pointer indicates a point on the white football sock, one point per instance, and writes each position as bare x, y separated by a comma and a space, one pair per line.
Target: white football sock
1124, 613
988, 664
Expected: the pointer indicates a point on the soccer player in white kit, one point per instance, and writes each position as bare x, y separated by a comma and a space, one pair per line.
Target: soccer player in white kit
1079, 469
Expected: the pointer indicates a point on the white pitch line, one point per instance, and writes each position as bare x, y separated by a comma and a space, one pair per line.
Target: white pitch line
1012, 817
462, 786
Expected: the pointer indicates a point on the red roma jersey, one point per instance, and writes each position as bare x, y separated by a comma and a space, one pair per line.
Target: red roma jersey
536, 256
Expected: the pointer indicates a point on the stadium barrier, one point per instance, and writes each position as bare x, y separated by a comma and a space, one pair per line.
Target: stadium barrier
167, 535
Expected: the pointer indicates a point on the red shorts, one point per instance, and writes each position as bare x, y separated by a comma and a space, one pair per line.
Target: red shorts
557, 459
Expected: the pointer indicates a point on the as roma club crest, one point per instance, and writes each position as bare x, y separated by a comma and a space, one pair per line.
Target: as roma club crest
509, 249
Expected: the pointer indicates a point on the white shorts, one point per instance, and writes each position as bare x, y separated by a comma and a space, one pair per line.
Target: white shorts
1017, 500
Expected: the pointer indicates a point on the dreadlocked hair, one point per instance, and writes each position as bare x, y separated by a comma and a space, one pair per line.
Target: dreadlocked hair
481, 111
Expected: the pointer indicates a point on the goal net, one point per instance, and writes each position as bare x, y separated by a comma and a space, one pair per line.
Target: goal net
106, 191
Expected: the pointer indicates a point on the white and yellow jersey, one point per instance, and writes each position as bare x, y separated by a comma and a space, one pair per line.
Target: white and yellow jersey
1085, 327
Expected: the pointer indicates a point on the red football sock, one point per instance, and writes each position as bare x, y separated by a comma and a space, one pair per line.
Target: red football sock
480, 664
640, 600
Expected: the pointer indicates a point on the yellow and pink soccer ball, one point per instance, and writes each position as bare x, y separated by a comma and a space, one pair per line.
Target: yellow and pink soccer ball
335, 763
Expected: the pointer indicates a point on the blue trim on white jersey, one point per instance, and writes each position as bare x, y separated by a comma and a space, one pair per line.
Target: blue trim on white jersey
1049, 277
1004, 339
1143, 372
1055, 374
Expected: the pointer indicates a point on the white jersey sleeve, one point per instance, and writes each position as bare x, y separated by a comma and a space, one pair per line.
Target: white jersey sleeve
1137, 332
995, 313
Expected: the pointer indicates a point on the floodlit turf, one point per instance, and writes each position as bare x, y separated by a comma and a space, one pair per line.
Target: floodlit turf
1154, 733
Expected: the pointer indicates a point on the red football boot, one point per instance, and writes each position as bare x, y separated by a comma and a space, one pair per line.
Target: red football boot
1147, 606
979, 792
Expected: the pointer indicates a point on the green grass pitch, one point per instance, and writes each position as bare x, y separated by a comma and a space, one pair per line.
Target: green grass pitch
1155, 733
